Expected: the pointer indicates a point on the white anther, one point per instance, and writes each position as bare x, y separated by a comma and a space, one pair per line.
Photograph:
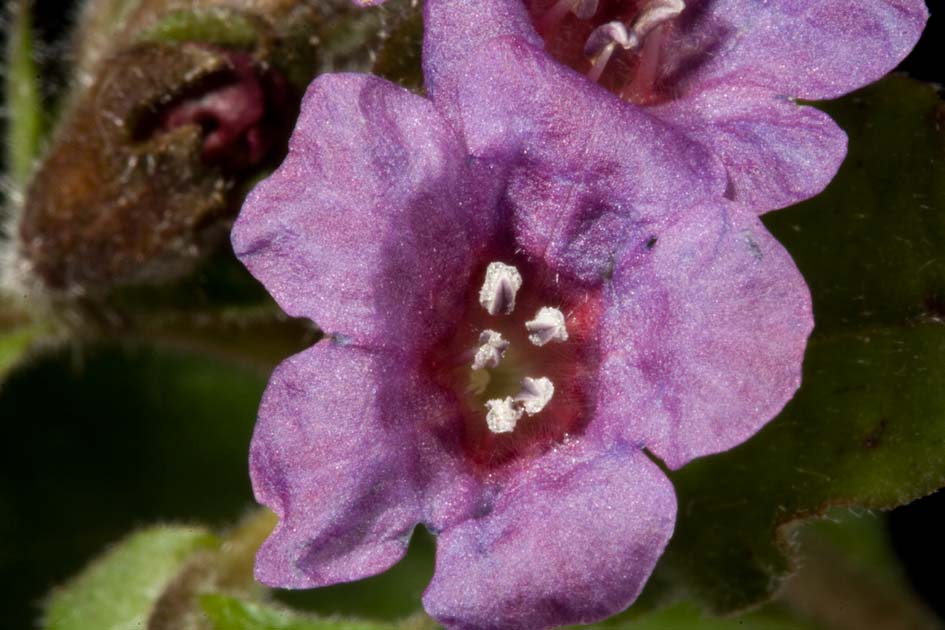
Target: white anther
491, 349
497, 294
603, 38
601, 44
535, 394
548, 325
657, 12
502, 415
606, 37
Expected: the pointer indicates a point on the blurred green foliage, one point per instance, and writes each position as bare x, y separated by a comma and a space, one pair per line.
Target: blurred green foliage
219, 26
229, 613
99, 441
119, 590
15, 342
25, 114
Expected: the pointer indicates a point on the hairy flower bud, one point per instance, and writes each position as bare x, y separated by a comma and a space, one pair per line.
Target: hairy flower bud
175, 107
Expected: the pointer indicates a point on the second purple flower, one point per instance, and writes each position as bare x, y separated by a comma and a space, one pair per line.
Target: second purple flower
725, 73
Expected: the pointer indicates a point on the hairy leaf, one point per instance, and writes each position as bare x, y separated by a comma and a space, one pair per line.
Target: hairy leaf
118, 591
867, 427
219, 26
102, 439
389, 596
228, 613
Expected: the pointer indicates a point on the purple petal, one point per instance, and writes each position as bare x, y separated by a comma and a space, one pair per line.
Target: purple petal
572, 538
372, 218
777, 153
453, 29
332, 457
588, 171
704, 334
811, 49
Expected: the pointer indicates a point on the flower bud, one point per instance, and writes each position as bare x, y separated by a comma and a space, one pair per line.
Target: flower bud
175, 109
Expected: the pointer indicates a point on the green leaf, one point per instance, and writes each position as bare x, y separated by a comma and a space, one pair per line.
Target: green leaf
19, 334
24, 103
399, 55
211, 25
867, 427
118, 591
858, 536
107, 438
871, 245
14, 345
229, 613
389, 596
689, 615
219, 310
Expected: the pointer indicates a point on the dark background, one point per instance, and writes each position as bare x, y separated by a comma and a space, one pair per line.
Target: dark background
98, 443
918, 529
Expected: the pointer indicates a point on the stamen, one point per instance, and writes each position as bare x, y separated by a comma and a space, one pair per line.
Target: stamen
656, 13
535, 394
548, 325
502, 415
606, 37
651, 26
551, 20
498, 291
491, 350
601, 44
639, 89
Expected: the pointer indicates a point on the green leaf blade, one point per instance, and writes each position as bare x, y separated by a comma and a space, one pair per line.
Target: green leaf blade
229, 613
14, 344
118, 591
217, 26
857, 434
23, 96
867, 427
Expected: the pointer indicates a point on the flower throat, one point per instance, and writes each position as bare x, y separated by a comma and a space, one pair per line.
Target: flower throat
520, 362
617, 43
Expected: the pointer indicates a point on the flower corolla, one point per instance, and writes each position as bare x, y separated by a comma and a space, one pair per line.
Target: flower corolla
726, 73
520, 314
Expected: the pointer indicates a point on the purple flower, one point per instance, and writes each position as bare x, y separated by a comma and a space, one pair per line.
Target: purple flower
509, 324
723, 72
